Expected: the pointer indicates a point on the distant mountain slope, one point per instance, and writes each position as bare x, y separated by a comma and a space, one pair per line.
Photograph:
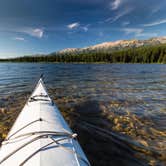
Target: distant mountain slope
123, 51
117, 45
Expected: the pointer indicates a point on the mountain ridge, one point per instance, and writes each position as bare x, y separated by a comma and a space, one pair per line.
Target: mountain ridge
116, 45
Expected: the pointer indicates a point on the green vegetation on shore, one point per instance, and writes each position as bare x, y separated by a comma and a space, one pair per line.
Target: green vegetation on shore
143, 54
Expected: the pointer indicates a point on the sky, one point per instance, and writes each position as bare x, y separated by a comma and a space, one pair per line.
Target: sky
45, 26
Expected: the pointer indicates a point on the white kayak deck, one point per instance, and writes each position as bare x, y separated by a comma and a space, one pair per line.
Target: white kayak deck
41, 137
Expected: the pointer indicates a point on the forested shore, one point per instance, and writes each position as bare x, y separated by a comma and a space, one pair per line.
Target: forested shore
143, 54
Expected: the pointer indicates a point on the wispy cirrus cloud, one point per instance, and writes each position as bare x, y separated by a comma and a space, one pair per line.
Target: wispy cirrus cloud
135, 31
85, 28
163, 21
74, 25
147, 34
156, 9
119, 14
138, 32
101, 34
19, 38
115, 4
125, 23
78, 26
35, 32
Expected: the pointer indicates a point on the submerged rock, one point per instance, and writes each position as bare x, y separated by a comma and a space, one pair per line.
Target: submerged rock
3, 110
143, 142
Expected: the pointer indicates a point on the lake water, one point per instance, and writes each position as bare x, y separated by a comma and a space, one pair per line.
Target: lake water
139, 90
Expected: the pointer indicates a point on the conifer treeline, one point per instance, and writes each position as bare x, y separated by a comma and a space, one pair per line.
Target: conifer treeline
144, 54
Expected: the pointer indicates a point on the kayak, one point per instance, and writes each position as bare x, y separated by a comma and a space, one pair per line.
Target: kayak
41, 136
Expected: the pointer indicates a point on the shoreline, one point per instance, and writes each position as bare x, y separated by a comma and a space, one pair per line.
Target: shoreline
80, 62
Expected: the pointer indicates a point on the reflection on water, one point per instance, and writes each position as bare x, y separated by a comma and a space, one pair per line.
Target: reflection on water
132, 98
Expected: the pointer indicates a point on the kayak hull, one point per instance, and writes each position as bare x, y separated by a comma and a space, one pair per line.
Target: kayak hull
41, 136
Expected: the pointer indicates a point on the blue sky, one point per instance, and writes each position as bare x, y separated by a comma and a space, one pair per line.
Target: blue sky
44, 26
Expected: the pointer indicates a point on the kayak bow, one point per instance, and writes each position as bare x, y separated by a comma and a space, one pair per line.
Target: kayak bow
41, 136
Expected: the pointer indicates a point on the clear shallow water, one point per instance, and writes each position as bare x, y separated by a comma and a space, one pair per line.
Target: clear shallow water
144, 84
138, 89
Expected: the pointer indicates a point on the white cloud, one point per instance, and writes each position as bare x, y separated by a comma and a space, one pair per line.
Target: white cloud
73, 25
115, 4
78, 26
19, 38
155, 23
35, 32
